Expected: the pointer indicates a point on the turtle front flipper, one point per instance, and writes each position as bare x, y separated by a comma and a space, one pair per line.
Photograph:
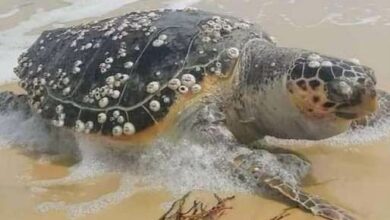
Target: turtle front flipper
269, 174
306, 201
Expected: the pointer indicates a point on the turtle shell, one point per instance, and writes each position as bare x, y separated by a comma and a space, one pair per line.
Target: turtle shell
121, 75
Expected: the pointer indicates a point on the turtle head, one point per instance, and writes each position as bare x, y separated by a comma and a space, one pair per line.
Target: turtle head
331, 89
291, 93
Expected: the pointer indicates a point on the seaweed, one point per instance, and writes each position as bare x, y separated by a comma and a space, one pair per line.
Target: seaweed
198, 210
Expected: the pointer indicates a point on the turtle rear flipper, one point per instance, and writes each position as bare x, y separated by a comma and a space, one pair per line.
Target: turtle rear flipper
306, 201
11, 102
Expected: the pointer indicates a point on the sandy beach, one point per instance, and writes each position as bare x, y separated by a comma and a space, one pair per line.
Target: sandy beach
353, 174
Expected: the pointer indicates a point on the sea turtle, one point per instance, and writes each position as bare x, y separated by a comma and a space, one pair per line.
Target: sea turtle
140, 76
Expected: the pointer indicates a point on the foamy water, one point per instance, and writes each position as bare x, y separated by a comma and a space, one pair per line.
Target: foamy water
178, 168
350, 140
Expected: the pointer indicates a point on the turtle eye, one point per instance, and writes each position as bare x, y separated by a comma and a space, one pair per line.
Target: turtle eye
370, 74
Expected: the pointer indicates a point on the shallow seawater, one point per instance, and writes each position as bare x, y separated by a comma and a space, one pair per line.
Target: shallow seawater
38, 181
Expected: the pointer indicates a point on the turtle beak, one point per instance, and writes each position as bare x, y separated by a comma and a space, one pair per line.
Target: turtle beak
367, 104
356, 98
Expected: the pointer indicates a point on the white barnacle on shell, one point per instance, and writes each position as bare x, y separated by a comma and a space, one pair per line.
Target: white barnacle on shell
103, 102
61, 116
206, 39
154, 105
109, 60
174, 84
78, 63
117, 131
152, 14
326, 63
153, 87
88, 45
39, 68
196, 88
128, 128
36, 105
89, 125
76, 70
354, 61
121, 119
66, 91
115, 94
66, 81
128, 65
183, 89
122, 54
73, 44
59, 109
166, 99
314, 57
116, 114
118, 76
117, 83
211, 22
233, 53
188, 80
58, 123
110, 80
102, 117
158, 43
125, 77
97, 95
163, 37
79, 126
103, 70
314, 64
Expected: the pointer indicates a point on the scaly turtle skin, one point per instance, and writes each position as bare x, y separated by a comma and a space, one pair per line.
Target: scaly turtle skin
207, 76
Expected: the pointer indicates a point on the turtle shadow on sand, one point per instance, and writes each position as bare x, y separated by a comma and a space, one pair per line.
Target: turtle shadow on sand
213, 80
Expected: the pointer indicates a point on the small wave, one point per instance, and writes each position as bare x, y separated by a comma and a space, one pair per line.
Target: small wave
17, 39
176, 167
9, 13
33, 135
181, 4
351, 139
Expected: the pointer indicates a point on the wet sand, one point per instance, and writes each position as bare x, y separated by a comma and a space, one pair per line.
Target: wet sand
356, 179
